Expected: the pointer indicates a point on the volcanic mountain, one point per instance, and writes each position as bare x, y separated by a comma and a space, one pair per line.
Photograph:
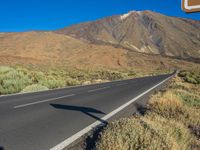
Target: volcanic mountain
142, 31
143, 41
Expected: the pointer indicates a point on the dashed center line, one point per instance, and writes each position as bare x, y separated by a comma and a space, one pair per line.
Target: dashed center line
53, 99
99, 89
43, 101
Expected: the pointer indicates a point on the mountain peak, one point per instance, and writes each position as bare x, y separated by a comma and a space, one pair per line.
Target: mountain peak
142, 31
124, 16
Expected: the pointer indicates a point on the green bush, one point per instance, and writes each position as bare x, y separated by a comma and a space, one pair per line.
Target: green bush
52, 83
12, 81
190, 99
34, 88
183, 73
190, 76
4, 69
72, 82
37, 76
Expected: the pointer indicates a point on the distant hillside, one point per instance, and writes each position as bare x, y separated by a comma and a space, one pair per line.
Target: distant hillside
53, 49
131, 41
48, 49
144, 31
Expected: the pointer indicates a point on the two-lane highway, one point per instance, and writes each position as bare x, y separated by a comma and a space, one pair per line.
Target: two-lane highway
53, 119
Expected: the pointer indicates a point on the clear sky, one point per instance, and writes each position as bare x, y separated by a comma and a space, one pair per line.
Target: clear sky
23, 15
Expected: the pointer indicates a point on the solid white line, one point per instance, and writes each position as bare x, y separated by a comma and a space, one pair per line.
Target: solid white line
76, 136
186, 4
43, 101
99, 89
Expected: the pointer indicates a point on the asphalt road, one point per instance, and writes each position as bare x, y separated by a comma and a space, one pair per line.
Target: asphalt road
40, 121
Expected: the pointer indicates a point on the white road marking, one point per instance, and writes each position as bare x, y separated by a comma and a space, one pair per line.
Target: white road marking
99, 89
43, 101
79, 134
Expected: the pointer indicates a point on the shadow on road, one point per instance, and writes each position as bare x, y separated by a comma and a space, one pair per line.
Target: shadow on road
1, 148
86, 110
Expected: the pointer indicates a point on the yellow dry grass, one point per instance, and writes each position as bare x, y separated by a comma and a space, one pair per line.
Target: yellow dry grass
170, 106
150, 132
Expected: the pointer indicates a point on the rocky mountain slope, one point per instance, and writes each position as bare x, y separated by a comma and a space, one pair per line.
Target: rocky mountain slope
128, 41
142, 31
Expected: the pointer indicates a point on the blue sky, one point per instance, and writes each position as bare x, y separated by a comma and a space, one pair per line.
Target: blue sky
24, 15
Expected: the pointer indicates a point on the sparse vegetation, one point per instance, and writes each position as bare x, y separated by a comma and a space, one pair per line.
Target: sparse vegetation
12, 80
190, 99
171, 122
149, 132
190, 76
34, 88
20, 79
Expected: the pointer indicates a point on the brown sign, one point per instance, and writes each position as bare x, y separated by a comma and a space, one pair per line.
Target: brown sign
191, 5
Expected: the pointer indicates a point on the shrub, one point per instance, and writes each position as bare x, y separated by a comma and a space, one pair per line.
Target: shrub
132, 74
166, 103
150, 132
52, 83
34, 88
72, 82
127, 134
190, 99
190, 77
37, 76
13, 81
169, 105
183, 73
5, 69
112, 75
176, 132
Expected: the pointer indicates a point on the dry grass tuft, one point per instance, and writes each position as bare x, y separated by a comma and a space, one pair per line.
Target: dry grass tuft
166, 104
133, 134
170, 106
151, 132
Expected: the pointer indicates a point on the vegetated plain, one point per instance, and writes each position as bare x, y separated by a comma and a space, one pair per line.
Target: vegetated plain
171, 120
20, 79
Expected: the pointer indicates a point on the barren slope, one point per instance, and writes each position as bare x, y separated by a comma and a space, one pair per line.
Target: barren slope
145, 31
56, 50
53, 49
